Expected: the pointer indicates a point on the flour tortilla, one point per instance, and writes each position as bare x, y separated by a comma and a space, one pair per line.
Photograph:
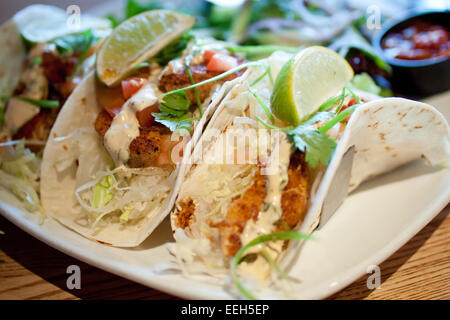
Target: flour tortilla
12, 56
67, 164
386, 132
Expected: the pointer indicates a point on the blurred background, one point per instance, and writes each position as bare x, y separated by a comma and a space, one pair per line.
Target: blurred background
346, 26
9, 7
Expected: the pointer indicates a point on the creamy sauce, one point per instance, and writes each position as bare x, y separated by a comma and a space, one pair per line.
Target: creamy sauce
125, 126
271, 211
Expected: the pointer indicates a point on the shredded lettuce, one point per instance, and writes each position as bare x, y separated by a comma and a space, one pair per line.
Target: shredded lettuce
103, 192
20, 174
124, 194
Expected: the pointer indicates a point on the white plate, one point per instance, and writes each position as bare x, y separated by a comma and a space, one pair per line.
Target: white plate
375, 220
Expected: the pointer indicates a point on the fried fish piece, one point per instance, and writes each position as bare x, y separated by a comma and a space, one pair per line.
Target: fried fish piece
172, 80
243, 208
294, 197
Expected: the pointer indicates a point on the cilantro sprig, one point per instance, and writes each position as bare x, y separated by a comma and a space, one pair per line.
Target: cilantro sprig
175, 105
317, 145
174, 112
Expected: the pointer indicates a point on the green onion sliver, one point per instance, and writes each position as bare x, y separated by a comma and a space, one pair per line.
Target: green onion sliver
260, 49
353, 94
283, 235
341, 104
338, 118
275, 265
262, 104
41, 103
220, 76
197, 97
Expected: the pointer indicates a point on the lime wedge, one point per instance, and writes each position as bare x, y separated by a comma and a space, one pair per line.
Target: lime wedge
138, 39
42, 23
306, 81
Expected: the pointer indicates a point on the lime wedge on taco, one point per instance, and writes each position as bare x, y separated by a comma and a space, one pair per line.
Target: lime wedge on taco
306, 81
138, 39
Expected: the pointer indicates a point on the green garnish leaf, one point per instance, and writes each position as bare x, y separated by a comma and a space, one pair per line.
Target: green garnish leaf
74, 43
173, 50
284, 235
364, 82
36, 61
174, 122
178, 102
174, 112
318, 146
103, 192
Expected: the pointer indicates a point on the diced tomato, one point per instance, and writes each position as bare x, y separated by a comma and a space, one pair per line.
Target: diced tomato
221, 63
207, 55
145, 117
168, 152
351, 103
131, 86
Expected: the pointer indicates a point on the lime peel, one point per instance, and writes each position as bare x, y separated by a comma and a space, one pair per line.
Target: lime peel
138, 39
306, 81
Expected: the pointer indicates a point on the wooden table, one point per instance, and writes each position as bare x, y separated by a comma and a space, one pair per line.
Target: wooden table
29, 269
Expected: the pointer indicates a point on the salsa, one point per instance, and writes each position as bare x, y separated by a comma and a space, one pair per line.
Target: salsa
419, 40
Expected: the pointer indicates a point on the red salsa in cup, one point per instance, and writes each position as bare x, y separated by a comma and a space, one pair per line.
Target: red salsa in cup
419, 40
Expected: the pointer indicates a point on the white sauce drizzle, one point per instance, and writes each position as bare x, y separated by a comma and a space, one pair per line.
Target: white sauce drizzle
269, 215
125, 126
275, 184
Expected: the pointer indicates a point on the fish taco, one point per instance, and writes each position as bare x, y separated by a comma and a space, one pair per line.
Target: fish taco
111, 165
43, 60
257, 179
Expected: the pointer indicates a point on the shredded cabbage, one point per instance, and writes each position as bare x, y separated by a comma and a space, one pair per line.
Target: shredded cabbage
103, 192
20, 174
125, 195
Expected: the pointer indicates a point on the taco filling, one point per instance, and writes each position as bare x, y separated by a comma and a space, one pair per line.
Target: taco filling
130, 122
50, 73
